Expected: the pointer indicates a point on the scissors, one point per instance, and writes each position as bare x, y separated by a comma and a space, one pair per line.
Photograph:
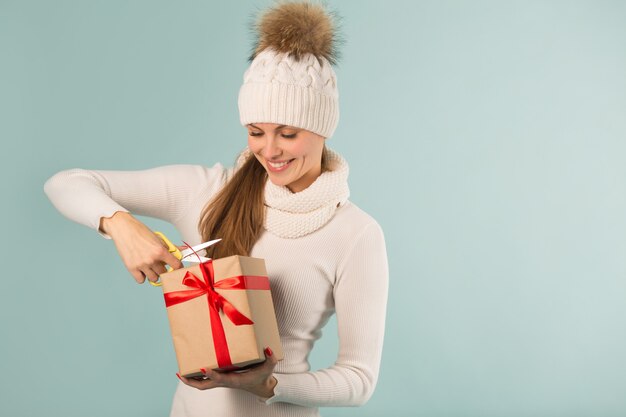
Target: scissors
184, 254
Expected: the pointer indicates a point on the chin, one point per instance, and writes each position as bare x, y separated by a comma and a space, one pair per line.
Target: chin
279, 182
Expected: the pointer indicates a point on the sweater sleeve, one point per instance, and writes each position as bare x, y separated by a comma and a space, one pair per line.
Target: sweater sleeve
86, 196
360, 294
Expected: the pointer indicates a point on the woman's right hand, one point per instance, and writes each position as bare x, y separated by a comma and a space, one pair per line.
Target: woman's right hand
144, 254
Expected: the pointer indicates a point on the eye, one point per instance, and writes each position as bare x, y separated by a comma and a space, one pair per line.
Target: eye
255, 133
289, 136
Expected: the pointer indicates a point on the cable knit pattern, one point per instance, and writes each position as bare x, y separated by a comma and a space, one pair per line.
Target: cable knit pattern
309, 72
292, 215
278, 89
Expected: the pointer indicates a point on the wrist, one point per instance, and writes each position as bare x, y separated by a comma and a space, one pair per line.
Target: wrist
265, 390
271, 384
108, 225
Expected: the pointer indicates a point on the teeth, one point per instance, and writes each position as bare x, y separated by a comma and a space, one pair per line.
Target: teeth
277, 165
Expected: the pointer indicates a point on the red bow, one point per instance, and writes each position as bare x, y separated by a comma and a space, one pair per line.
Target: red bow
217, 302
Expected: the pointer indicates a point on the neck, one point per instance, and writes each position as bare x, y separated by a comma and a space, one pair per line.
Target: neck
305, 181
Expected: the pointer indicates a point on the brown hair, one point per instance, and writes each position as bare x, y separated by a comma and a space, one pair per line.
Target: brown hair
237, 212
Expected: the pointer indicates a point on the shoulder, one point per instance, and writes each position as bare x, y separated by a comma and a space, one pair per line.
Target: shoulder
361, 244
353, 220
356, 231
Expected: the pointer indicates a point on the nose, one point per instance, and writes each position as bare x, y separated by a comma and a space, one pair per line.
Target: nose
271, 149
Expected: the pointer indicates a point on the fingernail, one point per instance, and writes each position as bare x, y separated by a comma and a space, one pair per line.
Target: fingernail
268, 351
203, 370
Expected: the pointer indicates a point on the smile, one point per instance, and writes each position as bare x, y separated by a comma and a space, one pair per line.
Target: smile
278, 166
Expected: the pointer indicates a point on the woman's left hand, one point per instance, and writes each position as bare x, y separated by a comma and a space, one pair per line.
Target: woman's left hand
258, 380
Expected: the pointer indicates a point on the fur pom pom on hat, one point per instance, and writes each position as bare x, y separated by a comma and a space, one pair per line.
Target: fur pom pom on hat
298, 29
290, 80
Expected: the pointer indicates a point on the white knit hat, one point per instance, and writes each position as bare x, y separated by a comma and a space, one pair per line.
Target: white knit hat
290, 80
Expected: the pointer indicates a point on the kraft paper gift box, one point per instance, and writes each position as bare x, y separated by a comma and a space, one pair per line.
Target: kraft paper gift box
221, 314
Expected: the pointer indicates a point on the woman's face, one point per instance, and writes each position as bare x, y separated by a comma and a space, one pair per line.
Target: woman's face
291, 156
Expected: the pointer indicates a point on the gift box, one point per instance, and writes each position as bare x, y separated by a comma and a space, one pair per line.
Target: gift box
221, 314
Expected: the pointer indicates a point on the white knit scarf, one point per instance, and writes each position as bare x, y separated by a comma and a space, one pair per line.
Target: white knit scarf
292, 215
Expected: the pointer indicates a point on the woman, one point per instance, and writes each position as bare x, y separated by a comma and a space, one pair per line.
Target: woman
286, 201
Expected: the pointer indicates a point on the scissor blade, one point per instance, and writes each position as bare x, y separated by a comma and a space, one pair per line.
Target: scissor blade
196, 259
199, 247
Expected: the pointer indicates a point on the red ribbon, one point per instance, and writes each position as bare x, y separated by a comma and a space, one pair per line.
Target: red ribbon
217, 303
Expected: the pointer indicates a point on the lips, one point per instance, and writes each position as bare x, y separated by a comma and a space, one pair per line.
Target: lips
277, 166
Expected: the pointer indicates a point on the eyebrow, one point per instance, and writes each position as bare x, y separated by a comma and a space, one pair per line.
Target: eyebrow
275, 130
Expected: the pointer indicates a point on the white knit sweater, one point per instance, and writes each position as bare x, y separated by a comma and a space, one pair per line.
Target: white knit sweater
340, 268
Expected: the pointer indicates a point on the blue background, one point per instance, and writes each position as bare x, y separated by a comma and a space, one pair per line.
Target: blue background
488, 139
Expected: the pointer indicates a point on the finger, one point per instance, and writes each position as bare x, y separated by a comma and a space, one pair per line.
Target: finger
270, 361
151, 275
221, 379
159, 268
270, 358
172, 261
139, 276
199, 384
210, 375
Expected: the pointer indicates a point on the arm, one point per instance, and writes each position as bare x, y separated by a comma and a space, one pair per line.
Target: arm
86, 196
103, 200
360, 300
